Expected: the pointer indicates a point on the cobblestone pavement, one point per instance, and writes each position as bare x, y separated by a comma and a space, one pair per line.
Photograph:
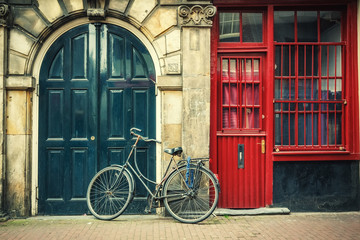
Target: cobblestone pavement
293, 226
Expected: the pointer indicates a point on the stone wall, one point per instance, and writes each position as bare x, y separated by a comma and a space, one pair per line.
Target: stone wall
177, 30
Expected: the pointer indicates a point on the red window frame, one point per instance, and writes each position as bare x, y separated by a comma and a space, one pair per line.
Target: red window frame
350, 134
289, 108
241, 93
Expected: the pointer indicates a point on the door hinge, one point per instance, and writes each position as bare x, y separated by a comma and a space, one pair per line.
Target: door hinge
37, 89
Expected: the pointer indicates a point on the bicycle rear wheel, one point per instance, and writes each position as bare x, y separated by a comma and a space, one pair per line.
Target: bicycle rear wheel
193, 199
109, 193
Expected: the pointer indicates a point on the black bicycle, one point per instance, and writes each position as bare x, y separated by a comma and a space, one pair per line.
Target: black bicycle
189, 192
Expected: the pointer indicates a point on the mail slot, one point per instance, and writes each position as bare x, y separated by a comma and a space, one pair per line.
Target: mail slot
241, 156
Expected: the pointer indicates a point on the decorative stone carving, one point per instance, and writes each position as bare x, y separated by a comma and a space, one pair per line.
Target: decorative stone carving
4, 13
96, 13
197, 15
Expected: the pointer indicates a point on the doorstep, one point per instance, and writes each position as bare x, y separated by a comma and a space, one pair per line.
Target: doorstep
249, 212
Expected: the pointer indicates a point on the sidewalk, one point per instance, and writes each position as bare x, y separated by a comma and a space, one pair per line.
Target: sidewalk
292, 226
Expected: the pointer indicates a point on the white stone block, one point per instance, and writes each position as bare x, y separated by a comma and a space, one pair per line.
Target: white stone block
118, 5
28, 19
16, 64
73, 5
20, 42
173, 64
172, 108
173, 41
161, 20
140, 9
51, 9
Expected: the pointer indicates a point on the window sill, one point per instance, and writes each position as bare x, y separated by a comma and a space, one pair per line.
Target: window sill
318, 155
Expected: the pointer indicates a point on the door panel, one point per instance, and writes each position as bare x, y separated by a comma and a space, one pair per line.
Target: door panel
96, 82
240, 126
241, 187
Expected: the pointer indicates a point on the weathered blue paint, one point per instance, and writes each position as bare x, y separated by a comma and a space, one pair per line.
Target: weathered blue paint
96, 82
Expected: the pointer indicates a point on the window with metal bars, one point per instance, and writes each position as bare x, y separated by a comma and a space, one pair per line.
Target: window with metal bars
309, 80
241, 93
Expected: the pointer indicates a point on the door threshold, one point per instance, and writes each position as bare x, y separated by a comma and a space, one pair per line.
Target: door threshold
251, 212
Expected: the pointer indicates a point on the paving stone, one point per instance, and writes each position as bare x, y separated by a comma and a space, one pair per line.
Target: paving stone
291, 226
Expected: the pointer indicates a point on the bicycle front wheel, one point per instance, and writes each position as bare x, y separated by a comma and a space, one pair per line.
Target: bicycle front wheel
109, 193
191, 195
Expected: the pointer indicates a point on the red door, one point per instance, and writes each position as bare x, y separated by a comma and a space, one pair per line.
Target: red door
240, 133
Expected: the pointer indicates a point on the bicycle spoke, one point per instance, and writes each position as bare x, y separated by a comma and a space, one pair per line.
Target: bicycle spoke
109, 193
199, 201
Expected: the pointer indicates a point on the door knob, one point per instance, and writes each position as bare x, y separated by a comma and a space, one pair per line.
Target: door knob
92, 138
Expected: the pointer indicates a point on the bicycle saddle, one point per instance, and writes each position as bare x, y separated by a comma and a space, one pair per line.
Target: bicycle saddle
174, 151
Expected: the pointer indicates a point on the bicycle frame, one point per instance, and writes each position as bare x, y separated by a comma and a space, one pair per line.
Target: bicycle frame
139, 175
188, 190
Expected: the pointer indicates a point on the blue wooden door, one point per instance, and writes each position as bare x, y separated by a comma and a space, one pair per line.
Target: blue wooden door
96, 82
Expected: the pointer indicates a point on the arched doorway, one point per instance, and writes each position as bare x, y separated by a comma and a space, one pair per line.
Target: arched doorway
96, 82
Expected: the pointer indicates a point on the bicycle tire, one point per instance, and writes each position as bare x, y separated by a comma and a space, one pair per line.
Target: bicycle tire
196, 204
109, 194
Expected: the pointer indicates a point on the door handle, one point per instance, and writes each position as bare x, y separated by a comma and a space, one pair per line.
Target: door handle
92, 138
262, 146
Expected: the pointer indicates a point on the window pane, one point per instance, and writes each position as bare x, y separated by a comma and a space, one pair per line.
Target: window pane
252, 27
278, 60
225, 69
301, 89
256, 118
292, 129
229, 27
301, 60
307, 26
277, 88
284, 26
277, 129
301, 129
338, 128
233, 94
338, 89
226, 95
225, 118
338, 61
331, 89
285, 130
324, 128
331, 128
330, 26
233, 118
233, 76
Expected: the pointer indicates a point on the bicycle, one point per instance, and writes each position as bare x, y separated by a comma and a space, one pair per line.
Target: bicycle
189, 192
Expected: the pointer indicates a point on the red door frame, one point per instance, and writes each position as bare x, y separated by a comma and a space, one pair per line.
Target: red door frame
351, 88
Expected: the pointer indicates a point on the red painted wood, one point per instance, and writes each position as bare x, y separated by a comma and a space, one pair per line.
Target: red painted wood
241, 188
223, 143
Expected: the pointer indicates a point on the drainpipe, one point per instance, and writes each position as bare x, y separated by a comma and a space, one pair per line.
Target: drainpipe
4, 16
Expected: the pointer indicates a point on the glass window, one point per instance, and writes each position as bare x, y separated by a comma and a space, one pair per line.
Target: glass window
308, 81
229, 27
241, 85
250, 24
252, 27
307, 26
284, 26
330, 30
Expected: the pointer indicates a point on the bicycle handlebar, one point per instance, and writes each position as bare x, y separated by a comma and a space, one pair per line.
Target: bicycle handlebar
132, 132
